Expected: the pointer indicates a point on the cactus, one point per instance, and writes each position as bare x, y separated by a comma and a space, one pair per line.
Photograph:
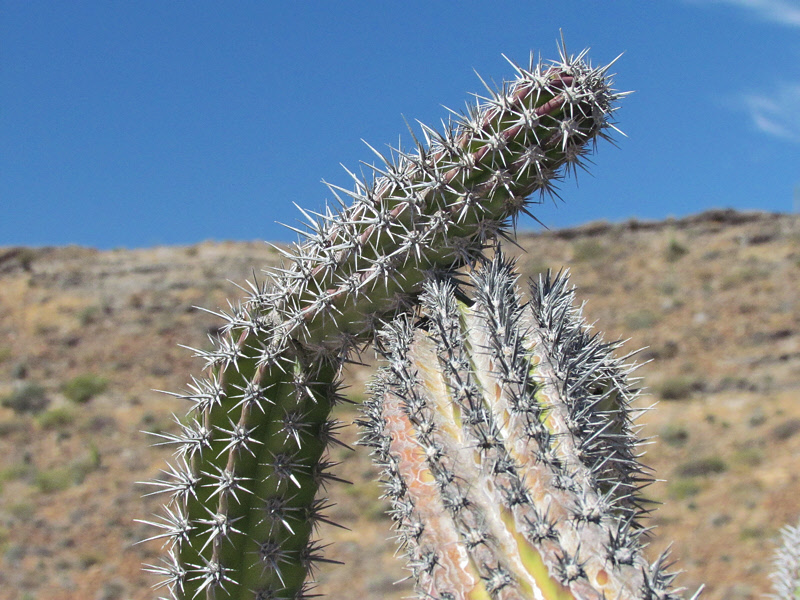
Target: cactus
786, 565
504, 433
241, 495
504, 430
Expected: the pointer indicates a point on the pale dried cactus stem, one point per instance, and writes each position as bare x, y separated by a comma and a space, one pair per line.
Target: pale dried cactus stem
786, 565
522, 427
241, 497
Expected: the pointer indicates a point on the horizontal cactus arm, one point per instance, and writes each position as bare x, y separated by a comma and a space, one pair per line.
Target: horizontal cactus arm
437, 209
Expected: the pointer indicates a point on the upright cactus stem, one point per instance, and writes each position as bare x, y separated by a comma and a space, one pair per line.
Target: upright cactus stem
505, 436
241, 495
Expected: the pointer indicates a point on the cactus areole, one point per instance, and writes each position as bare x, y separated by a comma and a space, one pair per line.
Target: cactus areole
241, 495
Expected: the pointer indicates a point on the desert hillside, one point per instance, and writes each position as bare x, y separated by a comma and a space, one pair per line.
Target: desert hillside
85, 336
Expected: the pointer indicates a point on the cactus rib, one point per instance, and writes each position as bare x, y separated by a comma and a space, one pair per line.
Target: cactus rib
520, 423
241, 498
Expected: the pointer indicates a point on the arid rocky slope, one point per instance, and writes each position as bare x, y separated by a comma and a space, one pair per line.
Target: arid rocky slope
86, 335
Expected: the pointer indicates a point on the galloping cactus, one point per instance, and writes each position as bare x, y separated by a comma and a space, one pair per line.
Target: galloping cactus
250, 458
504, 435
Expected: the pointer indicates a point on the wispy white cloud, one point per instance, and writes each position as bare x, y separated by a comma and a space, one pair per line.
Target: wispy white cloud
777, 113
785, 12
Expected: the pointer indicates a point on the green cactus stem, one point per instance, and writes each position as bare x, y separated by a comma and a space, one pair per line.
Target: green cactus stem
241, 496
505, 437
438, 208
243, 491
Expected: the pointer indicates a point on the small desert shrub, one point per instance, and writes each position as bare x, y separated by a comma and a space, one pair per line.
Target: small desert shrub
675, 251
752, 533
88, 315
87, 464
668, 288
54, 480
12, 426
25, 258
83, 388
757, 418
675, 435
749, 457
587, 250
56, 418
641, 319
148, 419
702, 467
22, 510
30, 398
785, 430
670, 349
676, 388
16, 471
680, 489
61, 478
19, 371
100, 424
89, 559
748, 274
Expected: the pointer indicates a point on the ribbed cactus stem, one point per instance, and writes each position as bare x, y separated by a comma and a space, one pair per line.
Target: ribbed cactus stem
519, 422
786, 565
241, 496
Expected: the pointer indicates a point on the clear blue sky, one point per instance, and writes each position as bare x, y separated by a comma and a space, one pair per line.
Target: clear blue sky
140, 123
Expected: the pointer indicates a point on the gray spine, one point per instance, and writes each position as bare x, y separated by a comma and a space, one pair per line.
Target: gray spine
786, 565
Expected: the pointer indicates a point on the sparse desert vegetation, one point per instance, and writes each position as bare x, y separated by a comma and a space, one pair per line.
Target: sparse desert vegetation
722, 330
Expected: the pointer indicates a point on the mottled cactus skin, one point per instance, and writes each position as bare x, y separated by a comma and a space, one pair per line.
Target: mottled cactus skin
786, 565
241, 495
505, 437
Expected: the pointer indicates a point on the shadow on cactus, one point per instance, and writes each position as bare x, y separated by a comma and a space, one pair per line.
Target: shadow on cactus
508, 450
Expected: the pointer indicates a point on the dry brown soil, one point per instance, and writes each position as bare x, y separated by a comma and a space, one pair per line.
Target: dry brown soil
714, 298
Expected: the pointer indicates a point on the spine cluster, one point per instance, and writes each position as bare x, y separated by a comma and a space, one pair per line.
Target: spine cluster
241, 494
505, 437
786, 565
